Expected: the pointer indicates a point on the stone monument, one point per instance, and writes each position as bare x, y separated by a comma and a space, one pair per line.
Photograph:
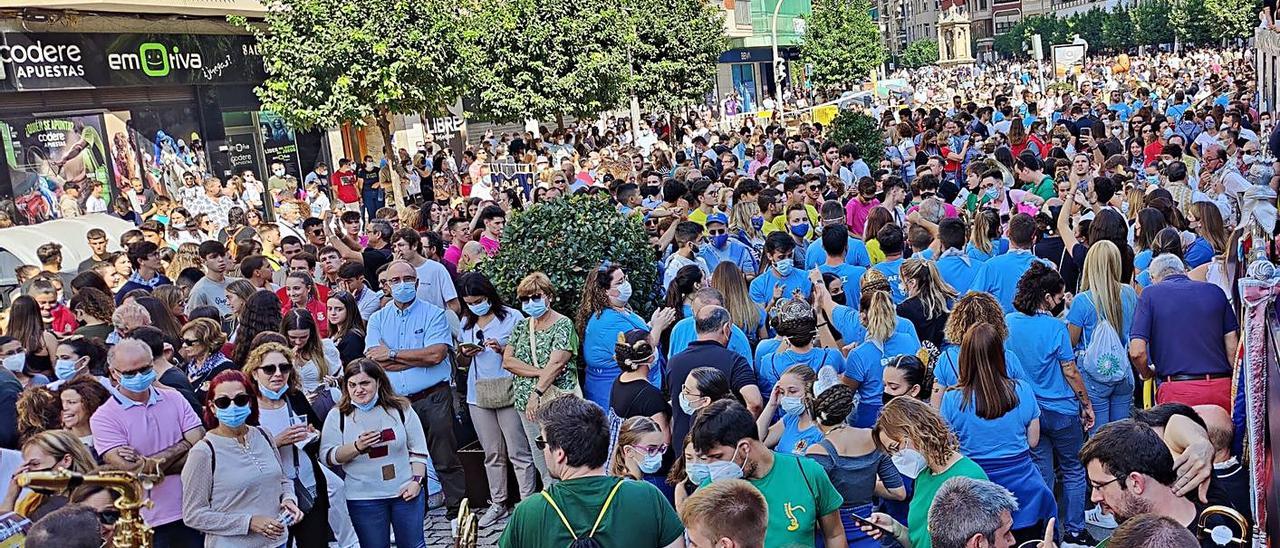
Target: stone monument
953, 34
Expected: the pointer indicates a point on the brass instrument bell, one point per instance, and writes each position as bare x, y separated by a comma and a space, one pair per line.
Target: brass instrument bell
1222, 535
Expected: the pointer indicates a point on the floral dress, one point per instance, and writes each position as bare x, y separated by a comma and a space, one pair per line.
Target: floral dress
560, 336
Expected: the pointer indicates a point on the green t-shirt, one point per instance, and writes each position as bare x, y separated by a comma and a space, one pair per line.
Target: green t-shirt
798, 493
639, 515
1045, 188
926, 488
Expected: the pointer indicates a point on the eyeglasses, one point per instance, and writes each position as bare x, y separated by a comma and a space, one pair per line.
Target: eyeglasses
651, 449
1096, 486
270, 369
223, 402
541, 442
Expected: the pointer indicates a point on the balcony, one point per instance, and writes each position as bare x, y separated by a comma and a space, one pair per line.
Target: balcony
737, 18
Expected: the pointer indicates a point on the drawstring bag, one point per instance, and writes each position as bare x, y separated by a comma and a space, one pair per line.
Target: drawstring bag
588, 541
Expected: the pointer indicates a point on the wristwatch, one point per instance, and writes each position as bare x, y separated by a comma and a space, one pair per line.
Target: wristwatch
392, 354
539, 391
416, 479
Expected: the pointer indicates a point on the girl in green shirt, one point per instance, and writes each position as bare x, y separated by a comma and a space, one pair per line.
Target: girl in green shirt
906, 421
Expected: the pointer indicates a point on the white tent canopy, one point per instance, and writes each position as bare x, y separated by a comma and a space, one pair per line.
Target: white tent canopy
18, 244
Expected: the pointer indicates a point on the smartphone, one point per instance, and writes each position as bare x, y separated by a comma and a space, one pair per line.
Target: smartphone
470, 347
1086, 132
866, 522
387, 434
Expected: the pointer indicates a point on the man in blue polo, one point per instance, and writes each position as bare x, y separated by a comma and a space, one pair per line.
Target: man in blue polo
999, 275
410, 338
724, 249
833, 214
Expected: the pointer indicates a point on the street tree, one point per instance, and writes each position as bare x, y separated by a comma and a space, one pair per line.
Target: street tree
530, 58
1233, 19
841, 42
920, 53
1192, 22
674, 53
330, 62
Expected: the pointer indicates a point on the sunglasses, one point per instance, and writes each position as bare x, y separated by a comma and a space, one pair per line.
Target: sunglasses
223, 402
317, 233
718, 232
541, 442
190, 342
529, 298
137, 372
271, 369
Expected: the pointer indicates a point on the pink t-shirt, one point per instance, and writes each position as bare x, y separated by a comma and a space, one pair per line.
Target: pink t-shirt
451, 255
490, 245
148, 428
856, 213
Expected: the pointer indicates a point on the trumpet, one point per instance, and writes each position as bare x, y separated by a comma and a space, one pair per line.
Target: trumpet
130, 531
1222, 535
467, 527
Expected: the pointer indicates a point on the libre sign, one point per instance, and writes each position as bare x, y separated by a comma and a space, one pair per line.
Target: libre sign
30, 61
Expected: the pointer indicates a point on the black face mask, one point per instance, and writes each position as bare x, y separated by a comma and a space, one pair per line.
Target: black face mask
838, 298
1058, 308
886, 397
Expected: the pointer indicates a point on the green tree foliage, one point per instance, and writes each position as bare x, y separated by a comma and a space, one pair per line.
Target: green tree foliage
530, 58
862, 130
674, 54
842, 43
335, 61
567, 238
1117, 32
1193, 22
1151, 24
920, 53
1233, 19
1088, 26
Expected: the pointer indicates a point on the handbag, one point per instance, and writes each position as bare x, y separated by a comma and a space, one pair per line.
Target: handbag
494, 393
306, 501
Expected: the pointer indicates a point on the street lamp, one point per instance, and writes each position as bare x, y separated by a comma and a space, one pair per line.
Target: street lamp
779, 70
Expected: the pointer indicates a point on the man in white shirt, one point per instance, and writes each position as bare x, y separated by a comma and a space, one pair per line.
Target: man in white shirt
688, 234
435, 286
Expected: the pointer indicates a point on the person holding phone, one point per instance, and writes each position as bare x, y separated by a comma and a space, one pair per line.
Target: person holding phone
378, 440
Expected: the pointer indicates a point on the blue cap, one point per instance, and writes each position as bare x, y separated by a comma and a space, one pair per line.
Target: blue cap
718, 218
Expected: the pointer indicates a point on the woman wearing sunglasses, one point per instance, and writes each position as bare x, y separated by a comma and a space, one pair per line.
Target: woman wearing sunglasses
234, 489
284, 412
201, 350
380, 444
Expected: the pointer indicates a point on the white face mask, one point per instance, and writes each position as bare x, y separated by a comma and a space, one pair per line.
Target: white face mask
16, 362
278, 171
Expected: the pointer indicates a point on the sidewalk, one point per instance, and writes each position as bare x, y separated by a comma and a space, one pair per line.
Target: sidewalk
438, 534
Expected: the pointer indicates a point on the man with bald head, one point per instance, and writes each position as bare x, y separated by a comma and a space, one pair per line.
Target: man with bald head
410, 338
147, 427
714, 328
684, 332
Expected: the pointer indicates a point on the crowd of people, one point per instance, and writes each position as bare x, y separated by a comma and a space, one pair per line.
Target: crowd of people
943, 347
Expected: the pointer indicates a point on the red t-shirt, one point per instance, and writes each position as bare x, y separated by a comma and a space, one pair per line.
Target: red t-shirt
64, 321
344, 185
1151, 152
315, 306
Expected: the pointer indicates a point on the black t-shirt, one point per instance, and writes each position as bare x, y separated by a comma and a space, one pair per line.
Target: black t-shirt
703, 354
373, 260
929, 329
637, 398
1052, 249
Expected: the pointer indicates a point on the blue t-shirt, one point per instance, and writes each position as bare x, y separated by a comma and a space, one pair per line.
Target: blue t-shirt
1199, 253
856, 255
849, 274
866, 364
765, 348
946, 372
685, 332
795, 441
733, 252
1004, 436
773, 365
891, 270
1142, 260
998, 247
905, 339
1084, 315
999, 276
762, 286
957, 274
1041, 343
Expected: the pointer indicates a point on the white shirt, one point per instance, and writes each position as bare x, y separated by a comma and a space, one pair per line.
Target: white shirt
488, 364
676, 262
276, 421
434, 284
95, 204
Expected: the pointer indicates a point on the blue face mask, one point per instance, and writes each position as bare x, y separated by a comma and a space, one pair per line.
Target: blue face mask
404, 292
481, 308
697, 472
724, 469
757, 222
535, 308
785, 266
233, 416
801, 230
273, 395
792, 405
720, 240
366, 406
138, 383
989, 194
651, 463
65, 369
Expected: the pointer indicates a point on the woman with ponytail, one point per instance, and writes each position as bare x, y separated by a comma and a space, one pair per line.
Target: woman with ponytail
863, 370
852, 461
984, 240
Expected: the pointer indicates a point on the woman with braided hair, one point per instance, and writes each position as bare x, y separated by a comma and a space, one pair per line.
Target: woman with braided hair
796, 431
632, 394
852, 461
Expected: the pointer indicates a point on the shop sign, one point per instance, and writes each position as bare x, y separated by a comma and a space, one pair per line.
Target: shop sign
34, 61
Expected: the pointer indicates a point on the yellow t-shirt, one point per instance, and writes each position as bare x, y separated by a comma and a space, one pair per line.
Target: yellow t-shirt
873, 249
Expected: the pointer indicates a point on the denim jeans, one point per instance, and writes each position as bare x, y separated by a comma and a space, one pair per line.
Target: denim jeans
1111, 401
1061, 436
374, 519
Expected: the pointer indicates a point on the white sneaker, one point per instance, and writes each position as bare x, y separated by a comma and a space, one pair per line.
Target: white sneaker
1097, 518
492, 515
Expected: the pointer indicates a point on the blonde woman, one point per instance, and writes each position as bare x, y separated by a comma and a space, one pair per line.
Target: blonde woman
910, 422
864, 370
745, 313
746, 225
1103, 297
187, 256
45, 452
639, 451
928, 301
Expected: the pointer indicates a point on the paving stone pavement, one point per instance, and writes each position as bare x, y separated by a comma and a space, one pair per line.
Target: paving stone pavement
438, 533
